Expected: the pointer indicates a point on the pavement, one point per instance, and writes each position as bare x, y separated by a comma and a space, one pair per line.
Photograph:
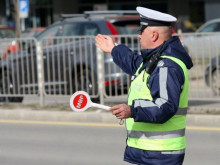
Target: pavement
197, 116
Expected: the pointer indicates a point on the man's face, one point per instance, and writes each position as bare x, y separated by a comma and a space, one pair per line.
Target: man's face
145, 38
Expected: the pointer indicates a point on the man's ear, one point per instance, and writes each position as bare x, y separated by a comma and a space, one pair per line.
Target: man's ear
155, 36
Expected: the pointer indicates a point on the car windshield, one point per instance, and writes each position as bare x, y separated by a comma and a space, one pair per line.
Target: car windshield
214, 27
127, 26
49, 33
7, 33
126, 30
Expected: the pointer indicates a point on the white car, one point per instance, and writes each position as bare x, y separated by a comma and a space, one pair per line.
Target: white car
204, 48
205, 42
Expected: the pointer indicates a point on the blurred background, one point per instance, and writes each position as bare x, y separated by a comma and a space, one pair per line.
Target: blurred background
62, 33
42, 13
48, 52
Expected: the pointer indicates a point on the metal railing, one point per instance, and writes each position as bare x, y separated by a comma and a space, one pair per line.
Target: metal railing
60, 66
18, 73
204, 49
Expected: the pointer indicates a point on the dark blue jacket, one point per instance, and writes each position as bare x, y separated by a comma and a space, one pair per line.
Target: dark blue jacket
129, 62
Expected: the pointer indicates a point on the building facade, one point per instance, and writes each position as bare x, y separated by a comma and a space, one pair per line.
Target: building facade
42, 13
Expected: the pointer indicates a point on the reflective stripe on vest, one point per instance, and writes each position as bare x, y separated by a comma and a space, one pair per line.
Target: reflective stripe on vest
174, 152
156, 135
169, 136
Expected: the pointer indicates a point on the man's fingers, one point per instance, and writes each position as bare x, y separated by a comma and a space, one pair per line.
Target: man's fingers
121, 111
114, 112
101, 38
104, 42
106, 37
119, 116
115, 107
98, 39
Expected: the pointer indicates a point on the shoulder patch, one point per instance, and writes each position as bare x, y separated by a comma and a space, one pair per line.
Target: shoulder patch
160, 63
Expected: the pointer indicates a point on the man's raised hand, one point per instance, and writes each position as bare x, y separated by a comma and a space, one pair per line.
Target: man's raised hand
104, 42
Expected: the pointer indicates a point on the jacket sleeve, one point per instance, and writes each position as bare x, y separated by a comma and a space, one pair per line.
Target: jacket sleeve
165, 84
127, 60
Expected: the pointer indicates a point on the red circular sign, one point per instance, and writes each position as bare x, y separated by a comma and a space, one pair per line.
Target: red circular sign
80, 101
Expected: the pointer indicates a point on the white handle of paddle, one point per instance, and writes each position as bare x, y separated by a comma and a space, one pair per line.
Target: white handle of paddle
100, 106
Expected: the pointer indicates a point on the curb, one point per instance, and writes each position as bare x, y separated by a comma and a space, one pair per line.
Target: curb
93, 117
62, 116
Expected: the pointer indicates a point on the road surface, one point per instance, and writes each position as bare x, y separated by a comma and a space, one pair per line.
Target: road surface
54, 143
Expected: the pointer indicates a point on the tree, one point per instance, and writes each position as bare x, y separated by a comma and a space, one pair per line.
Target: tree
14, 9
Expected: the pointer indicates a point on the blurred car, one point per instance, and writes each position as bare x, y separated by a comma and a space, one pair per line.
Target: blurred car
212, 75
7, 44
58, 52
205, 41
127, 24
7, 32
32, 32
210, 26
204, 46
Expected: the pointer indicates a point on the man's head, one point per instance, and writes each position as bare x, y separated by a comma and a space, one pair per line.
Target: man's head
155, 27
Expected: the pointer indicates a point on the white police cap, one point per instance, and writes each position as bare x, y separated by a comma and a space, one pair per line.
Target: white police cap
149, 17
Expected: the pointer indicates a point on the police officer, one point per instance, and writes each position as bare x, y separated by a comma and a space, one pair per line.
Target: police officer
158, 96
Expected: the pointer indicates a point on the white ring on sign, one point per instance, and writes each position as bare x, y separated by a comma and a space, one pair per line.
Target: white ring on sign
80, 99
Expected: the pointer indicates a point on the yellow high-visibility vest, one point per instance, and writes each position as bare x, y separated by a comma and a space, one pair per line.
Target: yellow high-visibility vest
169, 136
